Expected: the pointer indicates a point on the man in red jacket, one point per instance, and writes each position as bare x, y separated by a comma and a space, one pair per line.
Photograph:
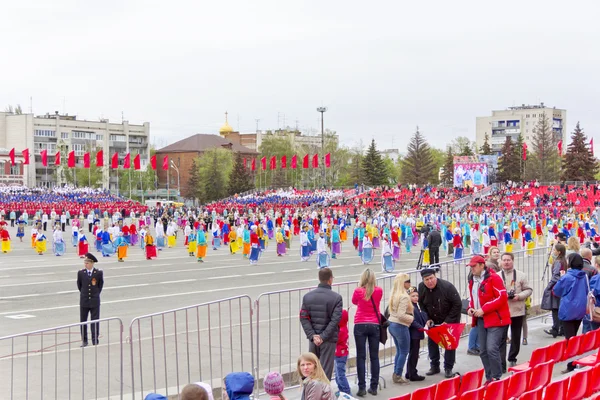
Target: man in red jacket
489, 309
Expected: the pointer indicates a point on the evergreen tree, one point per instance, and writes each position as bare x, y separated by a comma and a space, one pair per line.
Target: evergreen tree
240, 178
544, 163
214, 168
486, 149
519, 157
418, 166
373, 168
192, 188
507, 170
466, 151
579, 164
448, 168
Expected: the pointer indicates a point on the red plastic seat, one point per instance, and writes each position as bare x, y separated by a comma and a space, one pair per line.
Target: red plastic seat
556, 350
578, 385
471, 381
541, 375
447, 388
403, 397
572, 348
538, 356
590, 360
535, 394
476, 394
556, 390
426, 393
588, 341
517, 384
593, 381
496, 390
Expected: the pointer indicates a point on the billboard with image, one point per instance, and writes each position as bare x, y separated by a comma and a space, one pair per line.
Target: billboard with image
470, 171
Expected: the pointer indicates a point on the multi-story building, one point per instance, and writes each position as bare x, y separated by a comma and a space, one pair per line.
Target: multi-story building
54, 132
520, 120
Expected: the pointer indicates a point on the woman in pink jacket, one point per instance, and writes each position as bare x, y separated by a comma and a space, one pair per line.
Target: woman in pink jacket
367, 297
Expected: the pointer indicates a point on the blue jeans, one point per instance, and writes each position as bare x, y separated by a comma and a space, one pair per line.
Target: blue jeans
367, 334
490, 342
340, 375
589, 326
401, 337
473, 339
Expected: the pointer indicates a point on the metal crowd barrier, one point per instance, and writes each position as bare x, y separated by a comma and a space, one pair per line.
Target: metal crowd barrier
202, 342
50, 364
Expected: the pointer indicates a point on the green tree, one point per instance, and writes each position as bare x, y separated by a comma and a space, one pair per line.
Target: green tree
214, 167
278, 146
463, 146
439, 157
486, 149
240, 178
544, 163
518, 159
192, 186
508, 161
418, 166
579, 164
373, 167
448, 168
14, 110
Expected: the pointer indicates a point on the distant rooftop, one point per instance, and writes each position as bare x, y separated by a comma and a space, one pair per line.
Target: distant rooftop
201, 142
529, 107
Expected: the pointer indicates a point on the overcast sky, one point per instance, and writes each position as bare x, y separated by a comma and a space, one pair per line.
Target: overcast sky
382, 67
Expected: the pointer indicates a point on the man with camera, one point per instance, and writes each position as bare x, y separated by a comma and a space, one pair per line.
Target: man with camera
518, 290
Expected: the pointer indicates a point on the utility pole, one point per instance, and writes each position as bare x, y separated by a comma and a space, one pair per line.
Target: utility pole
322, 111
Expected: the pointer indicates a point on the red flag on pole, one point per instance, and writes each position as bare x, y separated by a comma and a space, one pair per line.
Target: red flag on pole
315, 161
283, 162
263, 163
57, 158
273, 162
559, 147
305, 161
137, 165
115, 161
153, 162
524, 151
26, 156
592, 146
294, 161
127, 161
165, 165
328, 160
86, 160
100, 158
254, 164
11, 154
44, 154
71, 159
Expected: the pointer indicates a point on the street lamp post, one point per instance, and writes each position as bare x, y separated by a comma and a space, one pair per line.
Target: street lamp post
322, 111
178, 182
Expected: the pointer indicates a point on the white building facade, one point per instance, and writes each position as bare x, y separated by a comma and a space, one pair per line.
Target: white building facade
54, 132
519, 120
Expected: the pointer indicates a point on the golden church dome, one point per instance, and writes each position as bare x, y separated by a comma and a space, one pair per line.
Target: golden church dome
226, 128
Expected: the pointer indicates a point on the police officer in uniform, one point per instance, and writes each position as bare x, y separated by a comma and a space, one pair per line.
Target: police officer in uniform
89, 282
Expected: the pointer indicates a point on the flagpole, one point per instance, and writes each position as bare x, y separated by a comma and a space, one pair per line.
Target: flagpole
90, 176
130, 182
141, 186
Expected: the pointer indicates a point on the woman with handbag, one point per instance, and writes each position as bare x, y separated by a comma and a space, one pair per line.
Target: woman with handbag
551, 302
367, 330
401, 317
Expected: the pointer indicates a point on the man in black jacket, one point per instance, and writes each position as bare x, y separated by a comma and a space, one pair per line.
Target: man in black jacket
90, 281
320, 315
442, 303
434, 241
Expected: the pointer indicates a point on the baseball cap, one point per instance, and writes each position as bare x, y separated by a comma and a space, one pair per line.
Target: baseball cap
476, 260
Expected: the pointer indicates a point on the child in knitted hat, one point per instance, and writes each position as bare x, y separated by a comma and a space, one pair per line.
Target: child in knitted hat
273, 384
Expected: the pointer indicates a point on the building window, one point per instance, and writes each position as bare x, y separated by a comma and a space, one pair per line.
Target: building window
117, 138
84, 135
99, 136
533, 115
15, 169
64, 135
79, 149
44, 133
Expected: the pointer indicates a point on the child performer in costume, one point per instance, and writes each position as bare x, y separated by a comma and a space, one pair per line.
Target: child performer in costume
201, 243
83, 246
280, 242
5, 237
148, 241
233, 242
508, 244
192, 241
121, 245
336, 242
40, 243
21, 229
529, 242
